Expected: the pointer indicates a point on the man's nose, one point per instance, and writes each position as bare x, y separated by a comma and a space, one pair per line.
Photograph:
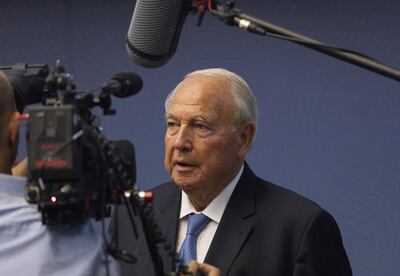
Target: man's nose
183, 139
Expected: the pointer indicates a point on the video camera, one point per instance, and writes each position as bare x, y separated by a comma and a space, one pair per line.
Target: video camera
74, 171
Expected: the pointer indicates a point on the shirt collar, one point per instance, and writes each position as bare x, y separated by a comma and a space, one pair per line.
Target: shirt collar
12, 185
217, 206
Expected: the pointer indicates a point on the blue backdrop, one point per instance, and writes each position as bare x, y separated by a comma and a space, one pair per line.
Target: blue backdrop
327, 129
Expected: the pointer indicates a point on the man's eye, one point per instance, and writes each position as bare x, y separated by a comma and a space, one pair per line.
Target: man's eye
200, 126
172, 128
171, 124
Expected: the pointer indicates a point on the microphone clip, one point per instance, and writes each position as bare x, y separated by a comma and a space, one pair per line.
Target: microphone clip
201, 6
227, 13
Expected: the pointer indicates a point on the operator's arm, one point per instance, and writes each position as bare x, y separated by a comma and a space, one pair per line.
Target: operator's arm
21, 169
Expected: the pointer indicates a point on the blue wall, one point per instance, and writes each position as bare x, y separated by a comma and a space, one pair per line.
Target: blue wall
328, 130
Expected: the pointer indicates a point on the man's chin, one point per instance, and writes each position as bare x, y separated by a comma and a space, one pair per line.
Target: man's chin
185, 184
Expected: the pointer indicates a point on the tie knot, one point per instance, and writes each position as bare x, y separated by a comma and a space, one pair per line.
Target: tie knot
196, 223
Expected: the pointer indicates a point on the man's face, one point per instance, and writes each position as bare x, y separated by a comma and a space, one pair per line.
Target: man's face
201, 143
15, 139
9, 124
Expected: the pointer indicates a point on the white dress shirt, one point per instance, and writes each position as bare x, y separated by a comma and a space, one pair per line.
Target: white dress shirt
214, 211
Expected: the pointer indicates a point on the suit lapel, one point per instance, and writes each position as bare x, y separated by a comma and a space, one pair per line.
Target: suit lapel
234, 227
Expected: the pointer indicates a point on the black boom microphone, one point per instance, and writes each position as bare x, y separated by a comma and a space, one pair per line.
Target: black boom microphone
156, 26
154, 31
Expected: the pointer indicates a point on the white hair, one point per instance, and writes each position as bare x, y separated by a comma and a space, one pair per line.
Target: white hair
244, 100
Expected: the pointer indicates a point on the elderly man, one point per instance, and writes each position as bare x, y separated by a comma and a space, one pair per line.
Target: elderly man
27, 247
217, 210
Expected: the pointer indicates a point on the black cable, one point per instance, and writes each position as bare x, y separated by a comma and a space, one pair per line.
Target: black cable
112, 156
104, 178
105, 250
317, 45
154, 236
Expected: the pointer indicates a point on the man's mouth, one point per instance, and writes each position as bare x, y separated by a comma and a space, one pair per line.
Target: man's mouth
182, 165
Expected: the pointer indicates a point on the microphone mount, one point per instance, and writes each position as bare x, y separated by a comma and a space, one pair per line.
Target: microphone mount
236, 18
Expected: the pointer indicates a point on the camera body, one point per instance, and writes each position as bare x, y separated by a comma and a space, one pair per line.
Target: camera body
60, 169
72, 167
51, 157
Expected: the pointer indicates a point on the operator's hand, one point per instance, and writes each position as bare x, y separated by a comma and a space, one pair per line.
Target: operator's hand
203, 269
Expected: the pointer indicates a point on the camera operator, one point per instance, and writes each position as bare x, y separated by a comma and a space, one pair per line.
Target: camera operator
27, 247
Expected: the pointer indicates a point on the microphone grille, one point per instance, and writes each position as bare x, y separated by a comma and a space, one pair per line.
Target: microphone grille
154, 31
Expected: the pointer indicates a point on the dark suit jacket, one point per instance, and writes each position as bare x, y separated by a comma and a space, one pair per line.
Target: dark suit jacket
265, 230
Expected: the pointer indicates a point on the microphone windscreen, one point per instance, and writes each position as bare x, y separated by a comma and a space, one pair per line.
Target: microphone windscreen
154, 30
129, 84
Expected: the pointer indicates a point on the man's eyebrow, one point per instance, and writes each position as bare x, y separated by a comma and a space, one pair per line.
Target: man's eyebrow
192, 119
200, 118
169, 116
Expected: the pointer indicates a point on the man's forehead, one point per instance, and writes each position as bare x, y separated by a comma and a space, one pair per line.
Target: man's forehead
180, 109
202, 97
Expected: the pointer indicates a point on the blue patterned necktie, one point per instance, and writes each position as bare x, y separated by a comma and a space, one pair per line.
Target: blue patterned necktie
196, 223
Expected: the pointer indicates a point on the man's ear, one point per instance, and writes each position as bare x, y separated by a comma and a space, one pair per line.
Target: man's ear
13, 128
247, 133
